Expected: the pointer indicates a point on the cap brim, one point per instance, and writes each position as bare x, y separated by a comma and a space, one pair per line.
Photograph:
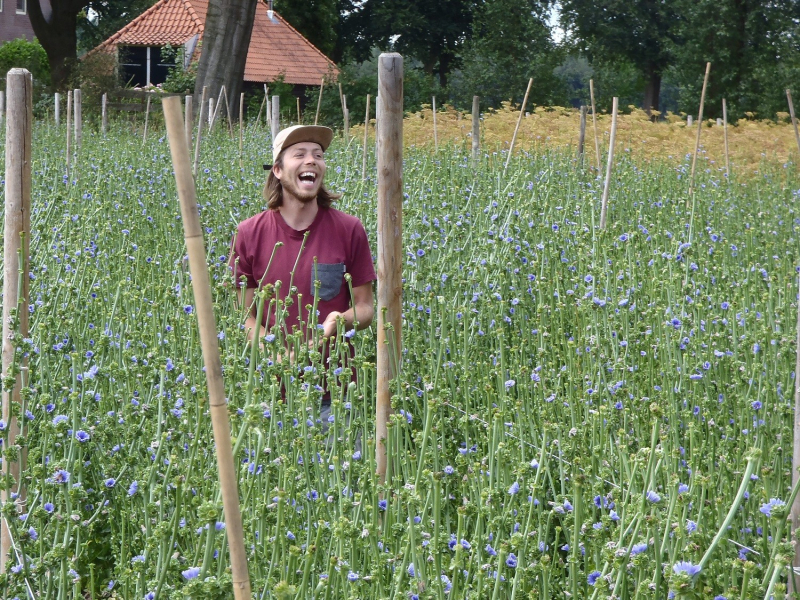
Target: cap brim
302, 133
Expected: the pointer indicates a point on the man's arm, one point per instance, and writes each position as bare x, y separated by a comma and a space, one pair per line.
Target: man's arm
363, 309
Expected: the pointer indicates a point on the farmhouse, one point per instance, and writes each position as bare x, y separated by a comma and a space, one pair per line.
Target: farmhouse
145, 46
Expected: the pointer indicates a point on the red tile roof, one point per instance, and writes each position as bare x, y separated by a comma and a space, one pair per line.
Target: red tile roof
276, 48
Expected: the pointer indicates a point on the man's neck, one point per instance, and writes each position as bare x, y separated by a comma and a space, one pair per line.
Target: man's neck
298, 215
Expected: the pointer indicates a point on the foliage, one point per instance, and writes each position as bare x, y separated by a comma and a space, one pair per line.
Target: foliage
317, 20
21, 53
179, 80
108, 17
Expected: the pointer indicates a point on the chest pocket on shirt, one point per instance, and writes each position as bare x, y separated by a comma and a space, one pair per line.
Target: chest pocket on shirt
330, 277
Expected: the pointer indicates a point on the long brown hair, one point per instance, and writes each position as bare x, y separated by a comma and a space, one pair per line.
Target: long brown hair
273, 190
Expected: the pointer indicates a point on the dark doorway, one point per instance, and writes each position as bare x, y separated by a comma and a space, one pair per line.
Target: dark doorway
135, 61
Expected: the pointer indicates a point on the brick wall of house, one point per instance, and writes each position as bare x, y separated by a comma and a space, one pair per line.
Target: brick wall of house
13, 25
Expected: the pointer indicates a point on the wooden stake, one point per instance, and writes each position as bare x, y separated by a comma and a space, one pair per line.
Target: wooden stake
476, 128
199, 130
346, 114
390, 241
299, 121
69, 130
19, 84
77, 102
341, 98
276, 116
582, 135
2, 106
699, 129
366, 138
58, 108
725, 135
594, 124
188, 121
228, 112
210, 113
519, 121
193, 234
435, 133
104, 114
263, 102
319, 100
146, 118
604, 206
241, 129
795, 509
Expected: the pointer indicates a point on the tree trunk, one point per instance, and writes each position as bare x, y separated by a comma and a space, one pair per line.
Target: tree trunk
226, 40
651, 92
57, 35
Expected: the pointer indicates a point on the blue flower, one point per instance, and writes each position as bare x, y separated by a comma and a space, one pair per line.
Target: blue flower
110, 482
683, 488
61, 476
638, 549
448, 470
773, 503
411, 571
514, 489
82, 436
191, 573
593, 577
653, 497
133, 488
48, 507
382, 504
465, 544
490, 551
290, 536
756, 405
686, 567
511, 561
691, 526
352, 576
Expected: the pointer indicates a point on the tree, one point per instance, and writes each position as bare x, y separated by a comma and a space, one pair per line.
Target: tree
226, 40
317, 20
642, 32
109, 17
57, 35
431, 32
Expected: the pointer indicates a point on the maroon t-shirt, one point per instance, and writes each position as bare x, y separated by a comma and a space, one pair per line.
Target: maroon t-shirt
336, 244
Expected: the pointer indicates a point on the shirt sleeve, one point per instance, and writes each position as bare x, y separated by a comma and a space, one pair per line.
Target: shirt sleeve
360, 266
239, 262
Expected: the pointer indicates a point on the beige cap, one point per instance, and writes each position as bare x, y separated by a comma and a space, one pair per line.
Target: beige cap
301, 133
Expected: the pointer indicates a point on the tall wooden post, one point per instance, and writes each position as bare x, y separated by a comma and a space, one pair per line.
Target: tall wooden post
104, 114
476, 128
276, 116
146, 119
69, 130
795, 508
346, 114
519, 122
77, 102
193, 234
725, 135
241, 130
319, 100
607, 186
210, 113
199, 130
594, 125
366, 140
435, 133
19, 85
582, 135
57, 100
299, 120
699, 129
188, 120
390, 240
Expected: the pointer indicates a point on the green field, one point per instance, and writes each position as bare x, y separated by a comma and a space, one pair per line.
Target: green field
578, 411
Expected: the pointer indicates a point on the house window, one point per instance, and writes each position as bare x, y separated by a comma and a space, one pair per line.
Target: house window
22, 7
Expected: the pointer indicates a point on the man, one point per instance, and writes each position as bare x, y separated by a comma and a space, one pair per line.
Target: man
305, 244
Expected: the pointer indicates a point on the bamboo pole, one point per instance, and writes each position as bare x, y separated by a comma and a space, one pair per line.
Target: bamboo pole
519, 122
228, 112
582, 135
319, 100
346, 115
476, 128
725, 135
2, 106
201, 287
199, 130
594, 125
299, 121
15, 272
146, 119
77, 103
104, 114
263, 102
69, 130
795, 508
276, 116
210, 113
366, 140
57, 100
607, 185
435, 133
217, 105
699, 129
390, 241
188, 119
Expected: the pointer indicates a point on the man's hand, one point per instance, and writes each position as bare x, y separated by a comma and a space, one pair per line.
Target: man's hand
329, 326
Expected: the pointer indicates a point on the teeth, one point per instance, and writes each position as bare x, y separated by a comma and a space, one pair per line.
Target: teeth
308, 174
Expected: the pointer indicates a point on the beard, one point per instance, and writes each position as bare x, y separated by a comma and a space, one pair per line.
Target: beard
303, 196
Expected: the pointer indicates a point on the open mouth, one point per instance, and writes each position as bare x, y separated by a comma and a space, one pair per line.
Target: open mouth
308, 177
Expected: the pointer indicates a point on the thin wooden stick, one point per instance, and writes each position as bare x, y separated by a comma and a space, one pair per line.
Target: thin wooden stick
519, 122
390, 245
594, 124
606, 187
69, 130
299, 121
366, 139
476, 129
319, 100
193, 234
77, 103
104, 114
276, 116
199, 130
188, 119
346, 114
228, 112
582, 135
146, 118
435, 134
210, 113
15, 273
263, 102
795, 508
57, 100
699, 129
725, 134
241, 130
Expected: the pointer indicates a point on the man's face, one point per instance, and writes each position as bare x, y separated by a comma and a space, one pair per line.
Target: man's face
303, 171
